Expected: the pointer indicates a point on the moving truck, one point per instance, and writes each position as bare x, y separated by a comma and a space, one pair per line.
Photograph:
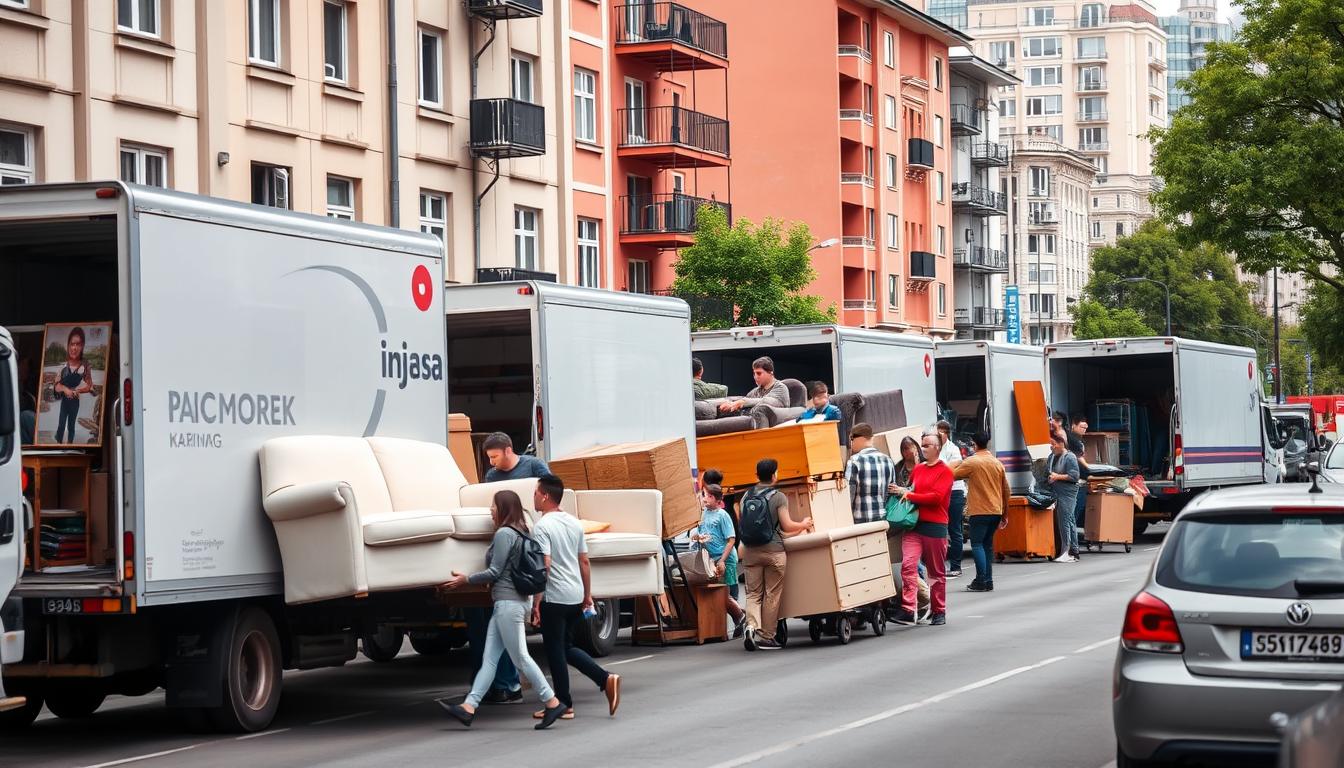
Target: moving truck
846, 359
230, 325
1188, 414
12, 518
975, 379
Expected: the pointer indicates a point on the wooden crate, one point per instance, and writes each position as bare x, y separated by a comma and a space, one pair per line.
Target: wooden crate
663, 465
460, 446
1030, 532
1101, 448
802, 450
1109, 519
827, 502
840, 576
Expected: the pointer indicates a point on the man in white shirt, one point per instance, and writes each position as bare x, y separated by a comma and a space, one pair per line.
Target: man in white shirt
567, 596
956, 510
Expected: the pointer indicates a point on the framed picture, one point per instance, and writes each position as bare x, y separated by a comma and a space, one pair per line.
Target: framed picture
71, 387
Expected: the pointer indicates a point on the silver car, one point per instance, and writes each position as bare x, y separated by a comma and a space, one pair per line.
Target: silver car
1334, 463
1242, 617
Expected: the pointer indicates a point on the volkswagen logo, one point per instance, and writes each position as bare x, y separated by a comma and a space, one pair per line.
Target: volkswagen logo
1298, 614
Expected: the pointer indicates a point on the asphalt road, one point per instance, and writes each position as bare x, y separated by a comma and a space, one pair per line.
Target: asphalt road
1018, 677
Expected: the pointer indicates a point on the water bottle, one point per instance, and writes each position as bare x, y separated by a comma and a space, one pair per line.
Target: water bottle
589, 612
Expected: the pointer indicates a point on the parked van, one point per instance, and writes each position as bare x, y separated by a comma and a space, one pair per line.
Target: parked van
12, 519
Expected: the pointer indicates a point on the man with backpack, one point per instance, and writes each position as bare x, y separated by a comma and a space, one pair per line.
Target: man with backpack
567, 597
763, 523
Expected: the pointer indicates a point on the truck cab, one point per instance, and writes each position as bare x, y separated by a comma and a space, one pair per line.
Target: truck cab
12, 517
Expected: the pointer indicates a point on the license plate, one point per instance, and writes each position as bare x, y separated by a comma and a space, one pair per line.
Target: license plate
62, 605
1292, 646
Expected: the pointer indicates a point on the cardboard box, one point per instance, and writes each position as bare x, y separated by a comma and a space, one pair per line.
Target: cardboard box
1101, 448
826, 502
802, 450
889, 442
1109, 518
663, 465
460, 446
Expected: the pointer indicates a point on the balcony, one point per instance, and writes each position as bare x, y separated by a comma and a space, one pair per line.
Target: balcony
1158, 64
856, 189
507, 128
966, 120
671, 36
502, 10
980, 201
1090, 56
979, 318
1094, 146
919, 153
989, 153
923, 266
1044, 191
1043, 219
864, 305
979, 258
1096, 116
663, 220
512, 274
1093, 86
854, 62
671, 137
857, 252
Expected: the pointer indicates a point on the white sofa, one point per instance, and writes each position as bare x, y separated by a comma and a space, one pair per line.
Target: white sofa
358, 515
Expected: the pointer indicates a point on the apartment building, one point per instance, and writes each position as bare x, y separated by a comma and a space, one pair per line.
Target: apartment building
1049, 189
841, 119
979, 203
1093, 79
1189, 33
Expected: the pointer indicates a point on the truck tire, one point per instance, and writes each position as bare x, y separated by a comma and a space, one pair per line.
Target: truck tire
74, 703
1139, 527
430, 642
382, 645
252, 674
19, 719
597, 635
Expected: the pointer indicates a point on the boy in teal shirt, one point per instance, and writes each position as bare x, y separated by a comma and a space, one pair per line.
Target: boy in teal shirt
717, 536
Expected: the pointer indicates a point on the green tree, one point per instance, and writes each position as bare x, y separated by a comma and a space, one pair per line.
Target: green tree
1207, 300
1255, 162
748, 275
1094, 320
1325, 373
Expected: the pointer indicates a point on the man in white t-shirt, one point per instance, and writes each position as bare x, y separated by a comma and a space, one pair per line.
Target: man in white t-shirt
567, 596
956, 510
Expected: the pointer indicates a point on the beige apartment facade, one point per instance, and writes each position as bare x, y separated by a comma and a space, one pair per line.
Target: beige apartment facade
285, 102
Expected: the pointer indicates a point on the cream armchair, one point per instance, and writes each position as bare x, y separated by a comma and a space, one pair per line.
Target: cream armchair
626, 558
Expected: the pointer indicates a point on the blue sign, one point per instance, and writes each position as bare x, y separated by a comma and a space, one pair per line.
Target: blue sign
1011, 315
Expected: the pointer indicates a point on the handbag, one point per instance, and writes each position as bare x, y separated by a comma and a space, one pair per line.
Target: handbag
697, 567
901, 513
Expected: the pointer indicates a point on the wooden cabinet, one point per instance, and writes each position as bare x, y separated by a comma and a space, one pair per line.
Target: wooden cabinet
61, 506
802, 450
1109, 518
1030, 532
837, 575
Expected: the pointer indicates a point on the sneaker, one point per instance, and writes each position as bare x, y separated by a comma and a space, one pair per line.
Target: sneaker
749, 640
904, 618
549, 716
976, 586
502, 696
1064, 558
768, 645
953, 573
939, 619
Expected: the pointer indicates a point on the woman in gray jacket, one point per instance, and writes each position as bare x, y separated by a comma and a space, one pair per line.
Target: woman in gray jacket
508, 621
1062, 475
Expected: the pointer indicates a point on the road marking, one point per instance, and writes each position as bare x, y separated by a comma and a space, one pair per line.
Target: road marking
628, 661
887, 715
259, 735
1099, 644
1121, 581
138, 758
342, 717
1150, 549
976, 616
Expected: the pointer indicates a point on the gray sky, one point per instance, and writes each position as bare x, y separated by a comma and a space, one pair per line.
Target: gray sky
1168, 8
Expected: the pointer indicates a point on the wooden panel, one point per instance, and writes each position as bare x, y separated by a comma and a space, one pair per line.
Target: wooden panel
1030, 532
1033, 416
662, 465
826, 502
459, 445
871, 544
802, 450
844, 551
866, 569
867, 592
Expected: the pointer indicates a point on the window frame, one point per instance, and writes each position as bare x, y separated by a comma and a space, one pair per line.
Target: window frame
1058, 47
134, 27
522, 236
428, 223
1011, 110
278, 176
342, 77
345, 212
938, 128
937, 73
890, 114
254, 41
518, 62
892, 167
940, 239
140, 155
893, 232
27, 174
589, 249
942, 299
893, 291
585, 106
437, 101
640, 266
889, 49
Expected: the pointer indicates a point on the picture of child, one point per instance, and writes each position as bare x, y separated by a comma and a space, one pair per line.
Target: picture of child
74, 374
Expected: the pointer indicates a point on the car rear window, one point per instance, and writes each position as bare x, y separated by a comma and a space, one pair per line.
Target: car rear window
1269, 555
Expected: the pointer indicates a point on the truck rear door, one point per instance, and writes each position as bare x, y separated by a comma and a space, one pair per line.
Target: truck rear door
1002, 371
1218, 410
12, 522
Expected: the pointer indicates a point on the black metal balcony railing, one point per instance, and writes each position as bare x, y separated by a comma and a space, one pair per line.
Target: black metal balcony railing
989, 153
919, 153
980, 256
511, 274
966, 193
507, 128
923, 265
979, 316
505, 9
679, 126
706, 311
965, 119
652, 22
662, 213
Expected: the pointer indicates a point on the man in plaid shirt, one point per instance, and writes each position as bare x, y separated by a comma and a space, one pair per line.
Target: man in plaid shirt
870, 475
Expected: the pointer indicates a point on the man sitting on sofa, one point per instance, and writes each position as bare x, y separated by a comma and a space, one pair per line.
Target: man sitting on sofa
701, 389
769, 390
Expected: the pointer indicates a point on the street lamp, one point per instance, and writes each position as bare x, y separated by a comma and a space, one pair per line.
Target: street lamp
1164, 288
834, 241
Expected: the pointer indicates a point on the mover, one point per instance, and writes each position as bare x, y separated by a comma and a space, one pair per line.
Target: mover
975, 381
846, 359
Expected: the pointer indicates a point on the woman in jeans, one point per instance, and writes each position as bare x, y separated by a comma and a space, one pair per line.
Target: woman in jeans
507, 628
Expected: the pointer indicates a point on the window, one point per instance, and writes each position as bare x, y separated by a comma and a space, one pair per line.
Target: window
1044, 75
1044, 105
1096, 202
1040, 180
938, 130
434, 215
634, 111
938, 186
431, 68
942, 300
1090, 78
891, 171
525, 237
1007, 107
139, 16
1096, 230
585, 105
588, 253
937, 73
335, 46
868, 102
1039, 47
270, 185
140, 165
870, 224
340, 198
1091, 47
893, 236
1155, 107
889, 117
1093, 15
1092, 138
888, 49
867, 36
1119, 229
940, 239
870, 290
1002, 52
521, 68
1102, 163
1054, 131
1046, 274
263, 28
1041, 245
1040, 17
637, 275
16, 157
15, 3
893, 291
868, 169
1092, 107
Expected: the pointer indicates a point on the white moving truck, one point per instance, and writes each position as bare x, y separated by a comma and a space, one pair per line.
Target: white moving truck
1189, 414
847, 359
230, 324
975, 379
12, 518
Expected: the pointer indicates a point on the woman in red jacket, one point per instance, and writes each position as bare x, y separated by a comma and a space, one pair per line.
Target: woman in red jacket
931, 492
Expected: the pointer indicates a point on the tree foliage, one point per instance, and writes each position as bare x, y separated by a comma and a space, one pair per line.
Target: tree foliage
748, 275
1325, 373
1094, 320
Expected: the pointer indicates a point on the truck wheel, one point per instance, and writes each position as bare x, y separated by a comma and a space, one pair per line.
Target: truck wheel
437, 642
382, 645
597, 635
21, 718
252, 674
1139, 527
71, 703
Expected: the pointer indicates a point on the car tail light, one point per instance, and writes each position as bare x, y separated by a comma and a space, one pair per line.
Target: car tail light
1150, 626
1177, 455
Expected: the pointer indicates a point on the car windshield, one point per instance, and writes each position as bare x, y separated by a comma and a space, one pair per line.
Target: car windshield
1265, 555
1336, 458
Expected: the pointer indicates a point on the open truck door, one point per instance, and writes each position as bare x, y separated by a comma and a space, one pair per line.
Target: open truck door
12, 519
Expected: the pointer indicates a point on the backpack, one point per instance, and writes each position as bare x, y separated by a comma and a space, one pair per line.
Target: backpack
528, 571
756, 522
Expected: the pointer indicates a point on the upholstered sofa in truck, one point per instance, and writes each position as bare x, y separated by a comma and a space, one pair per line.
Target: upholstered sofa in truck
709, 422
359, 515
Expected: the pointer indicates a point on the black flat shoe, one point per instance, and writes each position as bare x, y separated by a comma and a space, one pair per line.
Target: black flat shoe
457, 712
549, 716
